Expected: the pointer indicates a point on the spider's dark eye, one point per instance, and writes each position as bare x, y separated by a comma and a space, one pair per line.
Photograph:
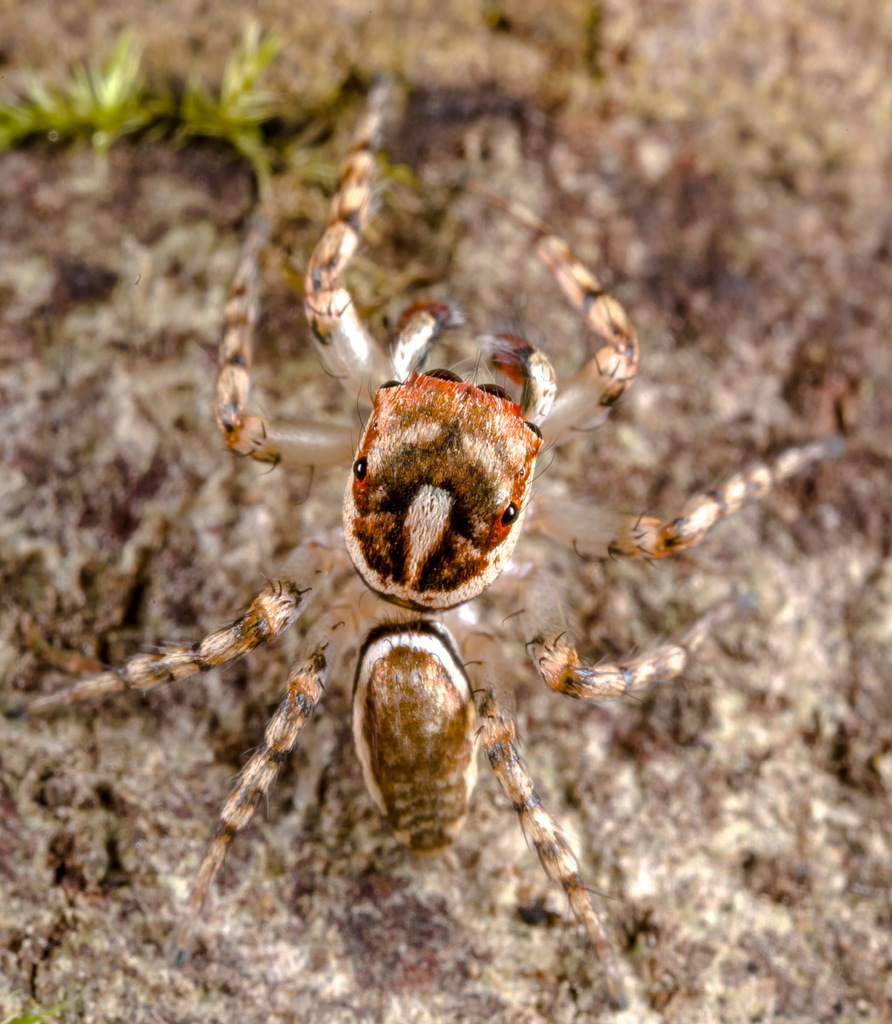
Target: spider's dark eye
510, 514
442, 375
360, 468
494, 389
534, 428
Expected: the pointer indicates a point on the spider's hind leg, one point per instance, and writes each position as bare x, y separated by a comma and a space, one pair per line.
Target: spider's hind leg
498, 736
303, 691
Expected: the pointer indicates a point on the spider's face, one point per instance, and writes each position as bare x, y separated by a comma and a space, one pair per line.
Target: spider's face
439, 487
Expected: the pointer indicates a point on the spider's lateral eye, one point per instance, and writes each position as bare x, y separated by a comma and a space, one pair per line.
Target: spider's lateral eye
360, 468
442, 375
494, 389
390, 384
510, 514
535, 429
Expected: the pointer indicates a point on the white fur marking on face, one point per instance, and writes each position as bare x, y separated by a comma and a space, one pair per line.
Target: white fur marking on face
420, 432
427, 520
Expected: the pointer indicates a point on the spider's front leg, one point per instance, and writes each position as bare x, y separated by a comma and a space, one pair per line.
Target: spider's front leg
348, 349
583, 402
301, 442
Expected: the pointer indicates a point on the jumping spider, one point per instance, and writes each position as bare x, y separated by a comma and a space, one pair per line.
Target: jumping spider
439, 488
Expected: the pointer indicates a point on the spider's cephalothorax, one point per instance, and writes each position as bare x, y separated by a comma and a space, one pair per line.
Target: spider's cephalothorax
440, 483
439, 488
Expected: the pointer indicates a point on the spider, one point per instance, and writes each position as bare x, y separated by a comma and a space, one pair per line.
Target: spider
439, 488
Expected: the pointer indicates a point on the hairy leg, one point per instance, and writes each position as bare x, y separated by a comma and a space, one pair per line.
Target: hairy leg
311, 568
594, 533
301, 443
499, 739
348, 350
582, 402
270, 613
558, 663
303, 691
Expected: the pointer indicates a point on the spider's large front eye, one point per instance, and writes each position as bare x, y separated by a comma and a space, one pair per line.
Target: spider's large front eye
360, 468
510, 514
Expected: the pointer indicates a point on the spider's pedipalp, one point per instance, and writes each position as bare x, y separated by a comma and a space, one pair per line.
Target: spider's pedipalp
525, 364
419, 328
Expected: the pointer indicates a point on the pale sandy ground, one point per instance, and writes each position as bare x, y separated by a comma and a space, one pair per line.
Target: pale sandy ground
729, 175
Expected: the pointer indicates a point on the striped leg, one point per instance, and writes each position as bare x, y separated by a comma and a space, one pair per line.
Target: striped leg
563, 671
302, 693
244, 434
270, 613
582, 401
498, 735
348, 350
593, 533
300, 443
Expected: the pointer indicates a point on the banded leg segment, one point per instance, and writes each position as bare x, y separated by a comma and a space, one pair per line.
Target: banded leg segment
559, 664
301, 442
348, 350
303, 692
581, 401
245, 435
594, 533
270, 613
542, 832
648, 537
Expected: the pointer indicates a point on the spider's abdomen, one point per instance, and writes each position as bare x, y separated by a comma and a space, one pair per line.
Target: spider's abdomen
414, 725
440, 483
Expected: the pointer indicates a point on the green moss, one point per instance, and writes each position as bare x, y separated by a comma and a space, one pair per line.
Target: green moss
99, 104
35, 1018
236, 113
102, 103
